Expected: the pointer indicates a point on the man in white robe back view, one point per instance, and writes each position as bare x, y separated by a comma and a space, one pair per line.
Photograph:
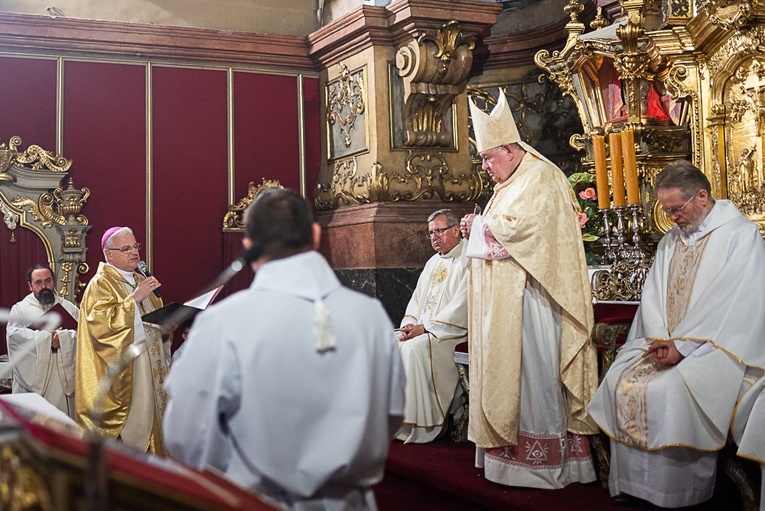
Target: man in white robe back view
434, 323
694, 348
43, 361
294, 387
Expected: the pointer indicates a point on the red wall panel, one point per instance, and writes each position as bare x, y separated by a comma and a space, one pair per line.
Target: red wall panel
190, 177
266, 139
28, 107
105, 136
311, 120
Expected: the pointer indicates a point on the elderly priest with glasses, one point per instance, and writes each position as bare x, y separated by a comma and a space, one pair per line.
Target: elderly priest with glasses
533, 367
694, 349
435, 322
112, 335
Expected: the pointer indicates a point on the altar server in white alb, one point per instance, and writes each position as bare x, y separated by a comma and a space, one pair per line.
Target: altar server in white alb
43, 361
533, 366
435, 322
694, 349
294, 387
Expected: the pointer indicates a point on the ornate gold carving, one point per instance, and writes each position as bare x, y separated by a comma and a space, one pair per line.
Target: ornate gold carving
726, 14
34, 158
622, 282
664, 140
427, 174
434, 69
346, 102
234, 220
599, 21
347, 187
22, 488
59, 207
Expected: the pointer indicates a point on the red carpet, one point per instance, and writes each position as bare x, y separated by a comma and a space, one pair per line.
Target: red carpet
441, 476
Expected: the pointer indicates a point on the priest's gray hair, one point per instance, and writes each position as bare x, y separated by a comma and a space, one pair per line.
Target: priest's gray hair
451, 216
684, 176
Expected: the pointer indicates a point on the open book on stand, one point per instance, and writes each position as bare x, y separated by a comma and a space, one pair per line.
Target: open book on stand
175, 313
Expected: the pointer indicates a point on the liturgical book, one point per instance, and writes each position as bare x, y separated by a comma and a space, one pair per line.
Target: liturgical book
175, 313
67, 322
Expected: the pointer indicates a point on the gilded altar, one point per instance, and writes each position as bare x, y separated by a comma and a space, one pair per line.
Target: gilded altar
688, 78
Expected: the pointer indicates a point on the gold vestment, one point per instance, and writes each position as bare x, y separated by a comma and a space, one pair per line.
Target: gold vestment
106, 331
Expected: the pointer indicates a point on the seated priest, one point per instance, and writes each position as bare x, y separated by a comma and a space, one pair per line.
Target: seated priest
43, 362
293, 387
694, 348
435, 322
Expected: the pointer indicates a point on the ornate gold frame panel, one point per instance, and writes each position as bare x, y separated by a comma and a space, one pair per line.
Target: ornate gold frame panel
26, 200
737, 121
234, 220
346, 100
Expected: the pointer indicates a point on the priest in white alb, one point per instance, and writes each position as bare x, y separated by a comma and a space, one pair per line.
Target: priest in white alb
43, 362
435, 322
533, 366
694, 349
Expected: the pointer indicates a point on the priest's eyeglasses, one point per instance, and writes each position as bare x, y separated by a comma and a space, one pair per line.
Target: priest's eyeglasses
127, 248
679, 209
437, 233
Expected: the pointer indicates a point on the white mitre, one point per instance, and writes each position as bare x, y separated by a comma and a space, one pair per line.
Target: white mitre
498, 128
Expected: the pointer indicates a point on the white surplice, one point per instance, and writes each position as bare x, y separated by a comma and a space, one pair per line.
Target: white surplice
667, 424
439, 303
40, 369
283, 402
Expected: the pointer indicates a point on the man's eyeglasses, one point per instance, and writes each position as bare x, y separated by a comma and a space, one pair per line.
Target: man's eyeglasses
679, 209
437, 233
127, 248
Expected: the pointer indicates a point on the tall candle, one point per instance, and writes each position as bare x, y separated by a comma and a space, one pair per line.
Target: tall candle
617, 169
601, 172
630, 167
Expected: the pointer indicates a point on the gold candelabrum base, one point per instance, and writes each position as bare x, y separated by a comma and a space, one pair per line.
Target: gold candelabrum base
622, 234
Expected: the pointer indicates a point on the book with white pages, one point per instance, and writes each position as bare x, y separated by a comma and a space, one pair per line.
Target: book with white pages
176, 313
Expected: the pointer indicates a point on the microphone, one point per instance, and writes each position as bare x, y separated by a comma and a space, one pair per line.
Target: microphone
145, 272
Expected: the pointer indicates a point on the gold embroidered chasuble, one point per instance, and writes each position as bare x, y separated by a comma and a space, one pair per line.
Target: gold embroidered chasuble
712, 294
532, 216
107, 315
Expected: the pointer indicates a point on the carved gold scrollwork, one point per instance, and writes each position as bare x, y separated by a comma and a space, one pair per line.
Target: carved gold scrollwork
347, 187
34, 158
428, 174
434, 69
345, 102
622, 282
726, 14
59, 207
234, 220
22, 488
664, 140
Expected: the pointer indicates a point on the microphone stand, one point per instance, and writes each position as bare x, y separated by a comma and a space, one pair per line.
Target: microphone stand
244, 259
